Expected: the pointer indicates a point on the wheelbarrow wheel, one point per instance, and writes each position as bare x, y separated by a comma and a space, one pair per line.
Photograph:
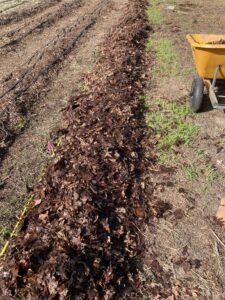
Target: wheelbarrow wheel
196, 95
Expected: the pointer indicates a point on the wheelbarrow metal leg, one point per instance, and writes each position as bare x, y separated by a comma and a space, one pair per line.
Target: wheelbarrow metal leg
215, 76
212, 95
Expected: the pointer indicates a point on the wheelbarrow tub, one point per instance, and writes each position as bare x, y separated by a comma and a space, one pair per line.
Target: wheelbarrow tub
208, 56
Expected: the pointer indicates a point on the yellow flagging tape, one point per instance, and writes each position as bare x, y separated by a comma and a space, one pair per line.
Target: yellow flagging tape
13, 233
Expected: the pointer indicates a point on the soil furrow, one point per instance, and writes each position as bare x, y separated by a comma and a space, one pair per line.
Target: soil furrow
29, 151
36, 42
6, 8
15, 105
38, 25
4, 1
29, 11
22, 93
53, 52
10, 29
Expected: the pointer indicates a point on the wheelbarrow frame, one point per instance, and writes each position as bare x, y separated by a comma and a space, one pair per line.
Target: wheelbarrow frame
211, 87
210, 65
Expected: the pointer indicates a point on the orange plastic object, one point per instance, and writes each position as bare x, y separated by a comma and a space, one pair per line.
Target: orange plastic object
208, 56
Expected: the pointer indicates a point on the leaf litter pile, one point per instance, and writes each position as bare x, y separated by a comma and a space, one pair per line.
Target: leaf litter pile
80, 239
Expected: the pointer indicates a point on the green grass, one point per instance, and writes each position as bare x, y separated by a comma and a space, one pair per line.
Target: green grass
165, 56
200, 153
168, 119
171, 2
190, 172
211, 174
83, 88
154, 14
4, 232
20, 125
196, 169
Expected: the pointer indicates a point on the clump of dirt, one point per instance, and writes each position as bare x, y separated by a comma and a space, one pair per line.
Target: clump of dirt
80, 239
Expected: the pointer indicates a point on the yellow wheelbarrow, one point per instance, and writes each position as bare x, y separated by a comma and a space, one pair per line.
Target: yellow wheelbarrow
209, 56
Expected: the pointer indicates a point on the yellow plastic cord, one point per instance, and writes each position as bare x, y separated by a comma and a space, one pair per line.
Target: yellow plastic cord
13, 233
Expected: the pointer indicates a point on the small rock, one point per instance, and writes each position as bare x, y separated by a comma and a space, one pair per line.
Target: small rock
6, 275
170, 7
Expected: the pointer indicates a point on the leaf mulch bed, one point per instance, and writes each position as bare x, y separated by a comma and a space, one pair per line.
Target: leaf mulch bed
80, 240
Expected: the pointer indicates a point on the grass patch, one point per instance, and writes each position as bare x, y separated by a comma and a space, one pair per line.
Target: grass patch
154, 14
190, 172
20, 125
165, 56
4, 233
200, 153
211, 173
168, 119
195, 170
171, 2
83, 88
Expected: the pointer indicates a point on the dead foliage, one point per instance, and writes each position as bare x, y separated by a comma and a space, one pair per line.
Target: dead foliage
80, 240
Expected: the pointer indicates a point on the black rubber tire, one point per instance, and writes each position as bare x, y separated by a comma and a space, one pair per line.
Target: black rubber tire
196, 95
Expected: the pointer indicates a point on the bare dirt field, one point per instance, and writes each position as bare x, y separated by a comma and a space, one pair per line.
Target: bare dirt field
45, 50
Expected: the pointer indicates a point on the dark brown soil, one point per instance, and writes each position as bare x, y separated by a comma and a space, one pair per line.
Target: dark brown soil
220, 42
80, 240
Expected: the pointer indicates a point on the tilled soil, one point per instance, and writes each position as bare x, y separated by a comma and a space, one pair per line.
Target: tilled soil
80, 240
11, 35
36, 92
18, 49
24, 9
